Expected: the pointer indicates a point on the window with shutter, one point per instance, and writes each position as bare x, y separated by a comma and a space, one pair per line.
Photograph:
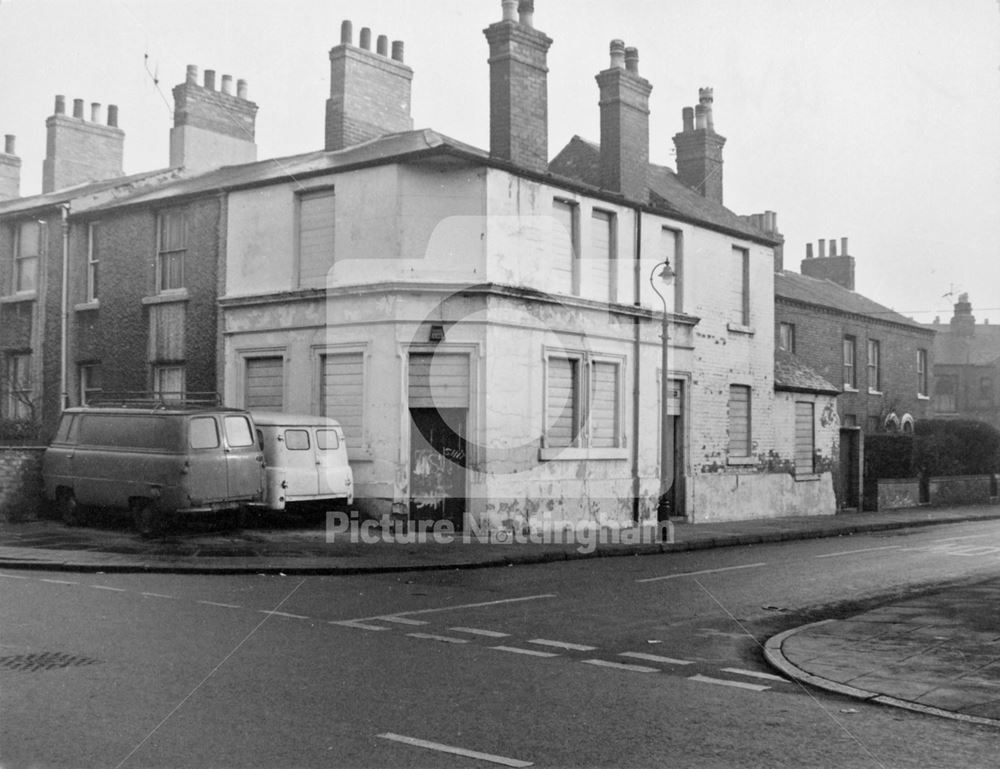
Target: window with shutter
805, 438
563, 402
265, 383
316, 237
739, 421
565, 249
342, 394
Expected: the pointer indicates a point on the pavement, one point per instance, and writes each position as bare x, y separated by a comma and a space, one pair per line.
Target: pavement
938, 654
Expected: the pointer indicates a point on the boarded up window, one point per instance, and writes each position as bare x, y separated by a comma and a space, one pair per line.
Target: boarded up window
739, 282
671, 252
316, 231
265, 383
563, 402
342, 394
564, 247
739, 421
439, 380
805, 438
601, 270
604, 408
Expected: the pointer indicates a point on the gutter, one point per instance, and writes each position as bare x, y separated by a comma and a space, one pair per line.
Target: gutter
637, 356
64, 311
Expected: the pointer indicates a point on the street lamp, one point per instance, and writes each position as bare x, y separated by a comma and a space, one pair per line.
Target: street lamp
664, 273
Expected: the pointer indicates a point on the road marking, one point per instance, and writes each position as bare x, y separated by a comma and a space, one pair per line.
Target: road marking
562, 645
755, 674
862, 550
156, 595
113, 589
477, 631
12, 576
705, 571
968, 536
446, 638
358, 625
58, 581
401, 620
622, 666
282, 614
724, 682
519, 650
655, 658
456, 607
223, 605
502, 760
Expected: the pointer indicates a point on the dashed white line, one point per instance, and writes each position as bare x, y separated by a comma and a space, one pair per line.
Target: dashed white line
755, 674
112, 589
12, 576
562, 645
358, 625
444, 638
223, 605
282, 614
704, 571
622, 666
442, 748
156, 595
519, 650
861, 550
724, 682
655, 658
456, 607
477, 631
401, 620
58, 581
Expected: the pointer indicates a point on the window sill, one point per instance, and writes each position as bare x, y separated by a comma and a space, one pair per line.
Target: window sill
849, 389
923, 397
571, 454
25, 296
738, 328
808, 477
173, 295
874, 392
84, 306
741, 461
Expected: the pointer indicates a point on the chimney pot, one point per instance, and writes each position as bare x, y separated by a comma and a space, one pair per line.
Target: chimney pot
346, 32
382, 45
809, 250
113, 115
843, 246
78, 108
526, 12
210, 79
60, 105
397, 51
366, 38
699, 116
632, 60
8, 144
822, 248
95, 112
687, 118
241, 89
833, 246
227, 84
192, 74
617, 54
509, 10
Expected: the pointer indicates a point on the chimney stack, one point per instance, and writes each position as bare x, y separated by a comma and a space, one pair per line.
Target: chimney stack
699, 148
624, 104
78, 151
10, 170
767, 223
519, 112
836, 268
963, 322
369, 90
212, 128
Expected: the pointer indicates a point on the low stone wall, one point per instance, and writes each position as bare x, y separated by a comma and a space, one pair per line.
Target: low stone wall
961, 489
20, 482
894, 493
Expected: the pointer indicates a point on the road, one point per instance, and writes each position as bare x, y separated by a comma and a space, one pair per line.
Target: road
626, 662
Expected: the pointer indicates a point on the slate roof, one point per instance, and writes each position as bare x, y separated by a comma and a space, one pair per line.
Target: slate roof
953, 349
825, 293
120, 186
580, 160
791, 373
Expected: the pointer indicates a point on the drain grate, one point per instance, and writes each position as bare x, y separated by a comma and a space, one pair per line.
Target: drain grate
45, 661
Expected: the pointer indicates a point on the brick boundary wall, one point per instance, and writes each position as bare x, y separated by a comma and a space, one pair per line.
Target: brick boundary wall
21, 495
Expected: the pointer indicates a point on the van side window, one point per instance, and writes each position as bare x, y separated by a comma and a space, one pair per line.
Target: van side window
204, 433
238, 432
297, 440
327, 440
66, 431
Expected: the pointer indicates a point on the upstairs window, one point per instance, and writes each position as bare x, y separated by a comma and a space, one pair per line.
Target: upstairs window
565, 266
922, 387
316, 237
786, 337
26, 257
171, 248
93, 261
850, 369
603, 262
739, 282
874, 366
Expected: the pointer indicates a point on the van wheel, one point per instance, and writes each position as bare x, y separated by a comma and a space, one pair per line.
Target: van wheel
146, 518
69, 509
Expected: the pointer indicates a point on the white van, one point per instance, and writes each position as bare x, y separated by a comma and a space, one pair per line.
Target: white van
305, 460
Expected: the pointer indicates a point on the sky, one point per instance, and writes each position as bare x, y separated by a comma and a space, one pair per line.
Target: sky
875, 120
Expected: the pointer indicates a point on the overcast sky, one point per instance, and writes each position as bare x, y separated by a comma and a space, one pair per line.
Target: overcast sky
875, 120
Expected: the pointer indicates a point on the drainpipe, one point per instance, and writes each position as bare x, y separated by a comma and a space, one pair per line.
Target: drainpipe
637, 356
64, 320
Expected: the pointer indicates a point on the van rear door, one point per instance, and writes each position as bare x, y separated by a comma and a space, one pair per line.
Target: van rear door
208, 475
243, 458
297, 449
331, 462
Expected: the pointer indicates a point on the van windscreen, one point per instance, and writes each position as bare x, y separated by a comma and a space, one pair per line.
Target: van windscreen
129, 431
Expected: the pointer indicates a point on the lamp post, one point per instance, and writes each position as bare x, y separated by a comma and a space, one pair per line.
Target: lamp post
664, 273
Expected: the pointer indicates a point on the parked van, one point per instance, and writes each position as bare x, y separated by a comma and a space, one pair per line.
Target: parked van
157, 462
305, 460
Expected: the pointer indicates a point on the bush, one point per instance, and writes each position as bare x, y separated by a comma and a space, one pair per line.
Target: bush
889, 455
956, 447
18, 431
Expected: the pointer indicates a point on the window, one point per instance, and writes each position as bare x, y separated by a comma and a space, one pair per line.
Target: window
874, 424
168, 382
583, 402
342, 394
672, 250
849, 420
874, 366
297, 440
203, 433
18, 386
327, 440
264, 384
603, 262
786, 337
850, 369
922, 388
805, 438
172, 244
316, 237
238, 433
90, 382
986, 389
93, 261
946, 394
739, 302
739, 421
27, 251
565, 266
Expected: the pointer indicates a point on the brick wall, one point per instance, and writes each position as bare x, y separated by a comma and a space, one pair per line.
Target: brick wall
20, 482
